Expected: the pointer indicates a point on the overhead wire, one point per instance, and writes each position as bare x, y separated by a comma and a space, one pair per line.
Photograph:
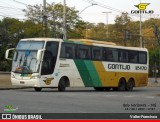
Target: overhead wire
20, 2
113, 9
10, 7
10, 11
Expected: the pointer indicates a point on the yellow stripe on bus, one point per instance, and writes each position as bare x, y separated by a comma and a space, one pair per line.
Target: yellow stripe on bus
111, 79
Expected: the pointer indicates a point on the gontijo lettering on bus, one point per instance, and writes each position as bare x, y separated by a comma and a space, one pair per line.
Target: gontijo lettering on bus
125, 67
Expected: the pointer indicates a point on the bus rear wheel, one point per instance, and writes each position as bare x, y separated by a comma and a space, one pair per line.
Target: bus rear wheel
38, 89
122, 85
130, 85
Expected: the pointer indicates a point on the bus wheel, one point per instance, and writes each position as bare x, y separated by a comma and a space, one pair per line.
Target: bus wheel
99, 88
130, 85
62, 85
122, 85
38, 89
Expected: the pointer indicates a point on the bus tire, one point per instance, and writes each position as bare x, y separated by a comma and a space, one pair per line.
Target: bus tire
130, 85
37, 89
62, 85
122, 85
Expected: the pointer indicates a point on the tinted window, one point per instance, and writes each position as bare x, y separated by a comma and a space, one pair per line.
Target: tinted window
50, 57
133, 57
123, 55
84, 52
96, 53
110, 54
67, 51
142, 57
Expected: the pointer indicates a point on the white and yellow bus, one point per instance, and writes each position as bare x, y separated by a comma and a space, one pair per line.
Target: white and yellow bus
55, 63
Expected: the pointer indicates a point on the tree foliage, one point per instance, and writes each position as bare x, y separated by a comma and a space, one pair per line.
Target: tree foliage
11, 30
54, 13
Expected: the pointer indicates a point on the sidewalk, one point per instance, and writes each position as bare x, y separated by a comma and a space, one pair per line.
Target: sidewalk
152, 83
5, 82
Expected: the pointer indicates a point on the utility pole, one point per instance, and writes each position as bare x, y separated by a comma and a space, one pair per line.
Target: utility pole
156, 34
155, 63
107, 23
140, 34
64, 21
44, 19
159, 62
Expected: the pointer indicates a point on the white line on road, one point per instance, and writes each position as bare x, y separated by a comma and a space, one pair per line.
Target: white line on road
151, 97
109, 95
128, 96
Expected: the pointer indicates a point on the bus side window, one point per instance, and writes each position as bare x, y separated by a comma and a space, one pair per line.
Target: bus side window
123, 56
142, 57
96, 53
67, 51
115, 55
109, 55
133, 57
84, 52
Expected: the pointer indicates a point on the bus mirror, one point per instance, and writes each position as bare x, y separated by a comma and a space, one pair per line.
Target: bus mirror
8, 53
39, 54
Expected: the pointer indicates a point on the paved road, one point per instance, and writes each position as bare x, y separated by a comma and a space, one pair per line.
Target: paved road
78, 100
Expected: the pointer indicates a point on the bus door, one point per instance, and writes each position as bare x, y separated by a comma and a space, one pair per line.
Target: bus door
49, 62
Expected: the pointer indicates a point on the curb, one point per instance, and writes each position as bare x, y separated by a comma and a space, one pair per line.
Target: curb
12, 88
5, 72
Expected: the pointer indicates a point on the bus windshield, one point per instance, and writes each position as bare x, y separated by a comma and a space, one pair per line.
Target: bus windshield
25, 61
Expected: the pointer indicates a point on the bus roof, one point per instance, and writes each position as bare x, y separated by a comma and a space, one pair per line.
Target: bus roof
106, 44
87, 42
41, 39
93, 41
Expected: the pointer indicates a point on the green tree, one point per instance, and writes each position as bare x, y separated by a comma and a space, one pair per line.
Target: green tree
10, 33
55, 18
100, 31
32, 30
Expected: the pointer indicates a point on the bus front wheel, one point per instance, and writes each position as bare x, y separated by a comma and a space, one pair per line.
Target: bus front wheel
62, 85
38, 89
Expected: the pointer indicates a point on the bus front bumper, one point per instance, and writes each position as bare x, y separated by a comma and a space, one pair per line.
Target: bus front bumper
27, 83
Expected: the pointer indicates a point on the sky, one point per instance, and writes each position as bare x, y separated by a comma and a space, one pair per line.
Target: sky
93, 14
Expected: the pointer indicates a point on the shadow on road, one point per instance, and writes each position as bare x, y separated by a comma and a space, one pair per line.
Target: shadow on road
82, 90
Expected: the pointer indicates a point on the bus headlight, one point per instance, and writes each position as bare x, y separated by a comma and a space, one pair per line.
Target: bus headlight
12, 76
35, 77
